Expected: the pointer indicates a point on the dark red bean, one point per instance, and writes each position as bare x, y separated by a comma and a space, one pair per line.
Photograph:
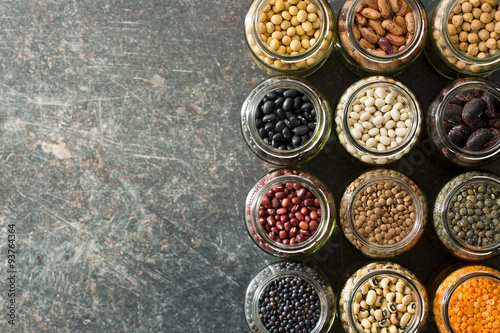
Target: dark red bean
285, 202
280, 226
313, 215
296, 200
287, 226
309, 202
278, 188
313, 225
295, 208
283, 218
304, 232
271, 221
281, 211
307, 218
297, 186
271, 211
294, 222
262, 213
265, 201
280, 195
292, 241
285, 241
304, 211
293, 231
275, 230
299, 216
283, 234
276, 203
301, 193
262, 221
304, 225
272, 235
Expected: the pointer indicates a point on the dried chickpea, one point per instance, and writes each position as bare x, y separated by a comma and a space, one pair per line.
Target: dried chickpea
466, 7
476, 25
477, 12
475, 3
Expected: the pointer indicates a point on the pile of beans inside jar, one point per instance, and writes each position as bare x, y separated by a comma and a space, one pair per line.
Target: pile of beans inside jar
285, 118
472, 120
474, 215
290, 213
380, 119
384, 304
474, 28
384, 213
289, 304
384, 27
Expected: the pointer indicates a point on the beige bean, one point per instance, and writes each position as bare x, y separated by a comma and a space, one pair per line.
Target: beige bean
410, 22
407, 299
356, 32
369, 35
371, 297
384, 8
400, 20
405, 320
395, 5
370, 3
395, 40
366, 44
370, 13
360, 19
403, 9
377, 26
392, 26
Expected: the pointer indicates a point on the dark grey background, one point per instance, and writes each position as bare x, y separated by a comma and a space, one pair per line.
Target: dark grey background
123, 167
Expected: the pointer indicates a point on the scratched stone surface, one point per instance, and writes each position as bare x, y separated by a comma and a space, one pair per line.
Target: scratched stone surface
124, 171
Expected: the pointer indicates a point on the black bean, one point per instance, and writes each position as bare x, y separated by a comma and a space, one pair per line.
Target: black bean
288, 104
492, 105
306, 107
287, 134
304, 138
301, 130
280, 125
478, 139
267, 108
272, 95
290, 93
269, 117
294, 121
262, 132
302, 120
278, 136
281, 113
297, 102
312, 125
259, 123
287, 123
296, 140
279, 101
458, 135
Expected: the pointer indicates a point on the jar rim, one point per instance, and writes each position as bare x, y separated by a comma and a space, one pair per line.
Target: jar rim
451, 290
472, 83
321, 7
419, 33
471, 178
489, 60
390, 271
419, 211
325, 226
413, 105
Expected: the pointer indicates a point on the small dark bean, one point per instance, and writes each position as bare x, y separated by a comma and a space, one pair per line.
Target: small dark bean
301, 130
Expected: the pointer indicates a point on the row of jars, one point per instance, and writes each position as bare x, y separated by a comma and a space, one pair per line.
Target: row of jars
377, 120
377, 297
291, 213
374, 36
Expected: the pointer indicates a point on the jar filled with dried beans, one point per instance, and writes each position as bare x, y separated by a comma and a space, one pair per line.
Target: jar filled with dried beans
383, 297
464, 38
466, 298
290, 213
466, 215
463, 121
383, 213
286, 120
289, 36
381, 36
289, 297
378, 120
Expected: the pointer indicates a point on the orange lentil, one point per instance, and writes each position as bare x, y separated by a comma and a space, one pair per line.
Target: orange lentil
475, 304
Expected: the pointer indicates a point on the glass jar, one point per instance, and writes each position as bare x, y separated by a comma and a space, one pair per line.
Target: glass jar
466, 215
318, 113
383, 213
289, 213
364, 55
262, 290
439, 122
383, 295
451, 51
378, 120
270, 39
458, 284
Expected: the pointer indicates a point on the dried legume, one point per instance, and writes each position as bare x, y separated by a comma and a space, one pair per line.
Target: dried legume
290, 213
285, 118
289, 304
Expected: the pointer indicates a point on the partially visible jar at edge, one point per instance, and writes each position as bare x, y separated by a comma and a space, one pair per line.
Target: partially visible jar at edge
290, 213
466, 215
464, 38
464, 298
463, 92
383, 297
289, 36
307, 286
378, 120
383, 213
317, 113
381, 39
